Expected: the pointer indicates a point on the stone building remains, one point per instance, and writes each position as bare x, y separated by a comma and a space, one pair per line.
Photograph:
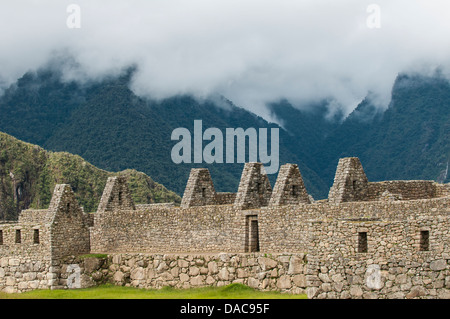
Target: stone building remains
367, 240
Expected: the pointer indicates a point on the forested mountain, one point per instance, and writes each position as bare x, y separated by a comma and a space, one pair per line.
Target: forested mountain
408, 140
111, 127
28, 175
108, 125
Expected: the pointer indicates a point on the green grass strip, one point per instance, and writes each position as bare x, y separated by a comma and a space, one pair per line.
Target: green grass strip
233, 291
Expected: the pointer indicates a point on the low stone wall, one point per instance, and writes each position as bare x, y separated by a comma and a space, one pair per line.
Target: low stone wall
427, 277
397, 278
169, 229
277, 272
225, 198
24, 274
405, 190
442, 190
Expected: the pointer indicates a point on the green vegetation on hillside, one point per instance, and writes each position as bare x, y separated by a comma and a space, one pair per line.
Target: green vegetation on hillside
28, 175
109, 126
408, 140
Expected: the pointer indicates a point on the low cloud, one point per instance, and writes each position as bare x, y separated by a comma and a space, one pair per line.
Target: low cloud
252, 52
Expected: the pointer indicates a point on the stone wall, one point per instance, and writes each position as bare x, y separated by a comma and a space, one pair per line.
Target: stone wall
25, 253
223, 228
170, 229
401, 190
254, 188
289, 188
20, 274
369, 240
116, 195
350, 185
32, 247
36, 216
69, 228
225, 198
350, 182
398, 277
277, 272
442, 190
379, 259
427, 277
199, 189
286, 228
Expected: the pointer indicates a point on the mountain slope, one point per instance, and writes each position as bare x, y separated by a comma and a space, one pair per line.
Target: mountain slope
108, 125
112, 128
28, 175
410, 140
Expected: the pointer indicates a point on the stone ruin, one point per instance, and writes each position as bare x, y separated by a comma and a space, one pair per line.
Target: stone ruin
386, 239
350, 182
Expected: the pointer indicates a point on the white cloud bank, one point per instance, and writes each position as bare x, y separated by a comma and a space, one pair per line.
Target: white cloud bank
251, 51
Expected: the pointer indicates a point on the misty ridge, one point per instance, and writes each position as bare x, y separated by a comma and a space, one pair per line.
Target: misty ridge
114, 88
107, 124
254, 53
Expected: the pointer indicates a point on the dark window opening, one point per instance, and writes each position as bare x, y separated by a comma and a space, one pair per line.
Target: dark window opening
259, 187
424, 240
36, 236
203, 192
362, 242
354, 185
294, 190
1, 237
68, 207
120, 198
18, 236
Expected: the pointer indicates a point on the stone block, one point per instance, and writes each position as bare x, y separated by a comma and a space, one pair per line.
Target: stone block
284, 282
437, 265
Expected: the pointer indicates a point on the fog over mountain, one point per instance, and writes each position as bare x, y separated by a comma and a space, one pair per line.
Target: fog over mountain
252, 52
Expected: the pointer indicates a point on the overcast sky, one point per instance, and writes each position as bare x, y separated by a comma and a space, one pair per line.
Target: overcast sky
251, 51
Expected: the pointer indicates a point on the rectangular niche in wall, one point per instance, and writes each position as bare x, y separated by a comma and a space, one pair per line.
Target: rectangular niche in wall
362, 242
18, 236
295, 190
424, 240
36, 236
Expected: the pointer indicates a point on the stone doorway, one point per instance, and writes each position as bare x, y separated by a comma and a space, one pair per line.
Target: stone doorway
251, 234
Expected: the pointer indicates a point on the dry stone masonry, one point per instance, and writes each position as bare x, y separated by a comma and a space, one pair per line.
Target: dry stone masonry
289, 188
270, 272
367, 240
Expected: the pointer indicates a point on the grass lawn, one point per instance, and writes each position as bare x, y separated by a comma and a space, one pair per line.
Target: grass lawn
233, 291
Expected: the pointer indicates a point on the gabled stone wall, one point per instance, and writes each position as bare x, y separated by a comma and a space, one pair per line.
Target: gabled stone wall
289, 188
116, 195
350, 182
69, 229
199, 189
254, 188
